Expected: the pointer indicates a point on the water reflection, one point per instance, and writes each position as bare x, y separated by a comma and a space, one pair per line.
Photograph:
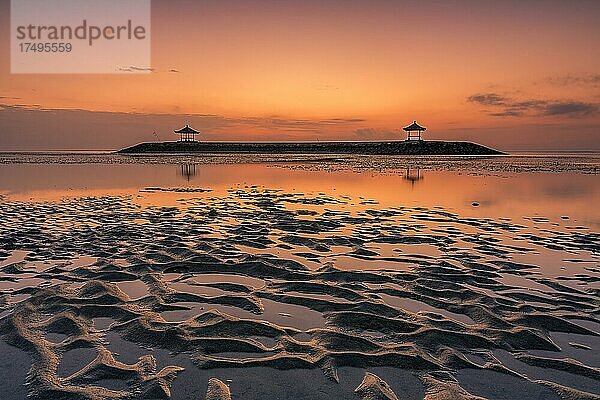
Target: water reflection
413, 175
262, 255
187, 171
511, 195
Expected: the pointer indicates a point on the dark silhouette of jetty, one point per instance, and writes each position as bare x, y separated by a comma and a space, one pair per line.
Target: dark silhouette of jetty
413, 145
381, 148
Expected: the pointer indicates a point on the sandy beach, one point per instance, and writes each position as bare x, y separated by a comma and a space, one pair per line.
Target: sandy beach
299, 200
169, 284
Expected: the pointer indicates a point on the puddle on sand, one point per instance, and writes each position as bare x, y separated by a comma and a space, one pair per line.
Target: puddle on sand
14, 257
414, 249
500, 386
185, 287
583, 348
129, 353
74, 360
21, 284
14, 365
292, 315
55, 337
80, 261
253, 282
578, 382
285, 315
193, 309
348, 263
265, 341
416, 306
102, 323
134, 289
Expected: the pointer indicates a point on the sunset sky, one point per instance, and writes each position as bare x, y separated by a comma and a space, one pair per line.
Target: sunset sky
509, 74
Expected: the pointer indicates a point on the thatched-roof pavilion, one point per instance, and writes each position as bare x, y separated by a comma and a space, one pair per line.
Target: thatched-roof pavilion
414, 127
187, 134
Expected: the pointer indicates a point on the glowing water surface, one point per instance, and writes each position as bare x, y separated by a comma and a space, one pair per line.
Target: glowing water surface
128, 248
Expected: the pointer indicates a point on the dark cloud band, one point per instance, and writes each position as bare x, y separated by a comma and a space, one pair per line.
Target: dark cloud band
508, 107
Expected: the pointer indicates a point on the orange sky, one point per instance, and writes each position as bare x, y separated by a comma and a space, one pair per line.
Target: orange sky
516, 75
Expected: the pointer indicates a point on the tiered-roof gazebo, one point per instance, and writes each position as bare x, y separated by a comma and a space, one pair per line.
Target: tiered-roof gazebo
187, 134
414, 127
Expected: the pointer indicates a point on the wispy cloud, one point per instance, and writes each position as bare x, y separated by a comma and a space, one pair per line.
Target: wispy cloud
502, 106
508, 113
276, 123
25, 117
20, 107
30, 126
575, 108
592, 80
488, 99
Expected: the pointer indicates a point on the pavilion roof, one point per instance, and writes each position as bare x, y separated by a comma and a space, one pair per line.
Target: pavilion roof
187, 129
414, 127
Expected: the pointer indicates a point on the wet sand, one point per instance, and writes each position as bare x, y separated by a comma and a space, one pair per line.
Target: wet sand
246, 291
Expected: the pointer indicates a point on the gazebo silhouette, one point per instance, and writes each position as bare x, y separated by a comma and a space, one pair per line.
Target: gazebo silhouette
187, 134
414, 127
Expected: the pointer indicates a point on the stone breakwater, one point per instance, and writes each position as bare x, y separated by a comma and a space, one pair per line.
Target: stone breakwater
371, 148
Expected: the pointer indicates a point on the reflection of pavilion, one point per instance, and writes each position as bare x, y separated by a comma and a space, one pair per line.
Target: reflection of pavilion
188, 171
413, 175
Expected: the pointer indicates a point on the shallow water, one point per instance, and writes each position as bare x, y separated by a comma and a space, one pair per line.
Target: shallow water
263, 270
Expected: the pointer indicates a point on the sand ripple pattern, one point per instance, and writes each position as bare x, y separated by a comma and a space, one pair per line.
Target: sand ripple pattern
264, 278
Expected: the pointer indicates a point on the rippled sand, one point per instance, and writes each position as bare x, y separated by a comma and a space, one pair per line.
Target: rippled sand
262, 293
